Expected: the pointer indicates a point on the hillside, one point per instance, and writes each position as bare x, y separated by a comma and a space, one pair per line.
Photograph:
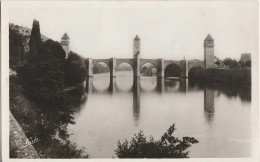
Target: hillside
25, 33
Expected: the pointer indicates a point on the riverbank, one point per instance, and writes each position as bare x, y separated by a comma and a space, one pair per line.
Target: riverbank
49, 126
19, 147
234, 76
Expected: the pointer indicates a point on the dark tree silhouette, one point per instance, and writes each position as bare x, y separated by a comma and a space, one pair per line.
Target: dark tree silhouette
43, 81
75, 69
172, 70
16, 47
248, 63
35, 42
233, 64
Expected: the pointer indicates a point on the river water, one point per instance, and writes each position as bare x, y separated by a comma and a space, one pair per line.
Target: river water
115, 109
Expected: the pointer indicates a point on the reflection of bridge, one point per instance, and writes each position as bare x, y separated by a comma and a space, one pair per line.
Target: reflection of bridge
160, 64
163, 86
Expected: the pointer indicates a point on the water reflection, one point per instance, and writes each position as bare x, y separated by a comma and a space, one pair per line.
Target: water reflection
184, 85
230, 90
166, 101
163, 85
89, 84
136, 100
112, 85
160, 85
209, 105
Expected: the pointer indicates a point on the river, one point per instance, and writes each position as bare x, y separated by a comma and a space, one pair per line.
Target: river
115, 109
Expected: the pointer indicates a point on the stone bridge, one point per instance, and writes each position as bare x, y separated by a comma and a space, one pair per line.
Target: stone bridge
160, 64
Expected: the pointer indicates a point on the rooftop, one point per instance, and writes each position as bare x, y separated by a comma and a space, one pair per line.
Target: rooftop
209, 37
65, 36
137, 38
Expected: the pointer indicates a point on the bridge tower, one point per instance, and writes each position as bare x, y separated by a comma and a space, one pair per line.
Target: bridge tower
136, 52
209, 52
65, 43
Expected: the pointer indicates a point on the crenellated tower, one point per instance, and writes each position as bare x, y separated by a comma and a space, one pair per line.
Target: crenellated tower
65, 43
209, 52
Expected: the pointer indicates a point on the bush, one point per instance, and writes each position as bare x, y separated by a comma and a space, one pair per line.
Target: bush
43, 81
167, 147
16, 47
75, 71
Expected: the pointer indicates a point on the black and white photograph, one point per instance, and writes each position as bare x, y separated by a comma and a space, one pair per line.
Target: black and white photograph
130, 79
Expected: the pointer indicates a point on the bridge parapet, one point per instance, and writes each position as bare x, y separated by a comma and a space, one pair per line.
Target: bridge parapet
96, 61
129, 61
196, 64
168, 62
151, 61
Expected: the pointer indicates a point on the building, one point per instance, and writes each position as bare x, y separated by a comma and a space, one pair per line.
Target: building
245, 57
65, 43
209, 52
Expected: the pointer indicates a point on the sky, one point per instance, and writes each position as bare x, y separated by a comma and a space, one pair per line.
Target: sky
168, 29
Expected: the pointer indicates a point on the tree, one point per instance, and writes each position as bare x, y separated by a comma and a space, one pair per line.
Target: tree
242, 64
233, 64
44, 80
75, 71
227, 61
16, 47
167, 147
248, 63
35, 42
217, 63
172, 70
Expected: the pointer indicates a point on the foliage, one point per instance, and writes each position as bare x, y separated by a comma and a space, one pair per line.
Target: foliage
48, 125
242, 64
100, 68
233, 64
46, 109
35, 42
231, 77
16, 47
195, 71
75, 69
248, 63
43, 82
167, 147
217, 62
172, 70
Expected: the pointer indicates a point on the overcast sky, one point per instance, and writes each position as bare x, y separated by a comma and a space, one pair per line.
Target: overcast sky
169, 30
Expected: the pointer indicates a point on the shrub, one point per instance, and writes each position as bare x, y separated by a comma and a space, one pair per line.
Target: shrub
167, 147
16, 47
43, 81
75, 69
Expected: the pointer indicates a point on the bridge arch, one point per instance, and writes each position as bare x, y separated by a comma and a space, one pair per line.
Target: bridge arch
101, 67
129, 61
172, 70
124, 67
148, 69
150, 61
105, 61
195, 71
196, 64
